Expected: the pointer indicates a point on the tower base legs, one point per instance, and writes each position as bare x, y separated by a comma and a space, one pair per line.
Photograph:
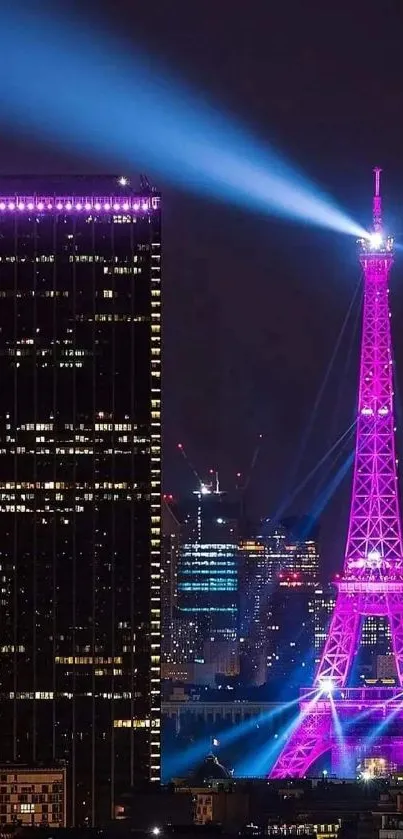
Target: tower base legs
308, 741
315, 733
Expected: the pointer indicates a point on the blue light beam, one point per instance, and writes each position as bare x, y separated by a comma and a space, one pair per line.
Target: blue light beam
86, 91
181, 762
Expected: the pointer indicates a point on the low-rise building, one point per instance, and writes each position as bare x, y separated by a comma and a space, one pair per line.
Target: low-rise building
32, 796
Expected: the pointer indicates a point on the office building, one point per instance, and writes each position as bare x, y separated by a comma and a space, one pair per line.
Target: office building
324, 599
169, 581
32, 796
80, 482
292, 548
290, 655
279, 570
256, 588
208, 580
256, 584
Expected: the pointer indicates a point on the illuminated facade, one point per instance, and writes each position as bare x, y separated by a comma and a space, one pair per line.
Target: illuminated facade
32, 797
169, 581
278, 572
255, 588
80, 482
292, 548
324, 600
208, 580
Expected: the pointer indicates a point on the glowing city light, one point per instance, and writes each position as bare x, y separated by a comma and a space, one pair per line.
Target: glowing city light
64, 203
123, 181
326, 686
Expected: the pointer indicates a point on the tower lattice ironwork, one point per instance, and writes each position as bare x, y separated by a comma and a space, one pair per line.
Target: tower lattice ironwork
372, 580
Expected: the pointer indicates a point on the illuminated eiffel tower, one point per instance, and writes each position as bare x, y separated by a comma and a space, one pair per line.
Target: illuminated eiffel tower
372, 580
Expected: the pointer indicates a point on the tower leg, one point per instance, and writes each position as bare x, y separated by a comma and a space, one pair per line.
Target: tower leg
342, 640
309, 740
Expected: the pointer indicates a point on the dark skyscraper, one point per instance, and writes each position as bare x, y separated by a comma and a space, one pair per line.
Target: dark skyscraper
80, 482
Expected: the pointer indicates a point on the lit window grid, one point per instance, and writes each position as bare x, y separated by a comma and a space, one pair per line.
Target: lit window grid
26, 800
156, 510
37, 695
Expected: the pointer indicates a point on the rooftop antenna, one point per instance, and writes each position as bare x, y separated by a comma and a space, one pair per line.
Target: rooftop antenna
377, 201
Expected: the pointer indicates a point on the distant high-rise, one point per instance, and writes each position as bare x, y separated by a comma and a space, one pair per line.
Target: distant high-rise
279, 570
169, 573
208, 583
256, 586
80, 482
292, 547
324, 599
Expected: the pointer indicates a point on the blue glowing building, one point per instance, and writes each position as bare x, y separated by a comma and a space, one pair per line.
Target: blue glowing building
207, 575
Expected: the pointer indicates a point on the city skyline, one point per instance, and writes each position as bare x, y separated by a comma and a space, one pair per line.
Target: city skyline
176, 470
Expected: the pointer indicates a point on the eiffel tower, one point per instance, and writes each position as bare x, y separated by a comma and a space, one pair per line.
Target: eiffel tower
372, 579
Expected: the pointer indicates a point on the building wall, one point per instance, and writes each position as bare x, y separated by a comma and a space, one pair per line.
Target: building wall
208, 578
80, 485
32, 797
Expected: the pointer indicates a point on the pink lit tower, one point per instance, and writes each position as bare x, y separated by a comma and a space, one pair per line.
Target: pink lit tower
359, 723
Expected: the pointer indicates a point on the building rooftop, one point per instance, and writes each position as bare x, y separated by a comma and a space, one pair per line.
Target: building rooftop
74, 184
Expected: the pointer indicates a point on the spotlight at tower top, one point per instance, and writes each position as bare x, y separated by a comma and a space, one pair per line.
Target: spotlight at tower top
375, 240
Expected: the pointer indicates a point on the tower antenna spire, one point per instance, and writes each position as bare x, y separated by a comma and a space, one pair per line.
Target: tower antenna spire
377, 201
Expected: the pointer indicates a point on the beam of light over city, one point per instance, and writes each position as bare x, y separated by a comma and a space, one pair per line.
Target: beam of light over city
314, 413
187, 759
86, 92
286, 503
329, 491
260, 762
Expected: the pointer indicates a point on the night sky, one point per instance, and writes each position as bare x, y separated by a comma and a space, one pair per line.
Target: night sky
253, 307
